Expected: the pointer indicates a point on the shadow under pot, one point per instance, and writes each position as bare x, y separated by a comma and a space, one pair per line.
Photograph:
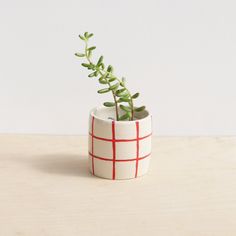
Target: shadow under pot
119, 149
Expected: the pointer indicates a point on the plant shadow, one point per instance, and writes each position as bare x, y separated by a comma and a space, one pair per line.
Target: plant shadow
62, 164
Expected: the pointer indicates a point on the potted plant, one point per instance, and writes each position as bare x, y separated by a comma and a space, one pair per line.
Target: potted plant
119, 132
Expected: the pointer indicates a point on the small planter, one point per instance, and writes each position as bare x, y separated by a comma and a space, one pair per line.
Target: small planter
119, 132
119, 149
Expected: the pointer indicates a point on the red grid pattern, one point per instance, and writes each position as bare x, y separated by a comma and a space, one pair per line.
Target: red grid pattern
113, 150
92, 144
114, 140
137, 148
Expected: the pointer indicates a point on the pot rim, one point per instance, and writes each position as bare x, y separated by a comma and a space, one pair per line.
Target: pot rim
117, 121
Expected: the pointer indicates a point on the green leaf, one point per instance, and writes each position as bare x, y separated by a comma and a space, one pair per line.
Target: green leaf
109, 104
91, 66
114, 86
91, 48
85, 65
90, 35
79, 54
135, 95
125, 108
102, 65
103, 81
100, 60
123, 82
109, 75
86, 34
112, 79
81, 37
92, 74
125, 116
110, 68
124, 99
105, 90
138, 109
121, 92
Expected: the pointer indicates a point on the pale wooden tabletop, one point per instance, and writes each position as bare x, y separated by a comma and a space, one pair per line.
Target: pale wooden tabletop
46, 189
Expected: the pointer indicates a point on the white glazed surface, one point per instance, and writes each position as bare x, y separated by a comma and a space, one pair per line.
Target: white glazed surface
119, 149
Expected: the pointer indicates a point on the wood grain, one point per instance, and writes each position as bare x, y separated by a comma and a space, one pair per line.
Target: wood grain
46, 189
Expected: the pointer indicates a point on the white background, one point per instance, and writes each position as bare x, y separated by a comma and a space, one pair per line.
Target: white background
180, 55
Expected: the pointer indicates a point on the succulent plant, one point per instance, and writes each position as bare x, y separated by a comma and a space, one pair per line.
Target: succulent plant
122, 97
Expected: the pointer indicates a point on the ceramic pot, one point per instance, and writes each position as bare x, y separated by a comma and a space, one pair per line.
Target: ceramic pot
119, 149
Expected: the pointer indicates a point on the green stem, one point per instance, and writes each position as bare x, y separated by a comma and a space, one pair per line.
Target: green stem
113, 94
130, 96
109, 84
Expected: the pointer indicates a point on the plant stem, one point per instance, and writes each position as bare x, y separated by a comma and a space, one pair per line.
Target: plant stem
130, 96
113, 94
109, 84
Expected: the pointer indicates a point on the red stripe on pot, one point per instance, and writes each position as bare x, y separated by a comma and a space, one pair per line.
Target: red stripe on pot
119, 160
137, 148
93, 145
119, 140
113, 151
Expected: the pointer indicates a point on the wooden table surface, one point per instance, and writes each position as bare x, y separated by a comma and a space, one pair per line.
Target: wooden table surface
46, 189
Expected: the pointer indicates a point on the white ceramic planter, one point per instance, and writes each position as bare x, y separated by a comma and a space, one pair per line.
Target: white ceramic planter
119, 149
